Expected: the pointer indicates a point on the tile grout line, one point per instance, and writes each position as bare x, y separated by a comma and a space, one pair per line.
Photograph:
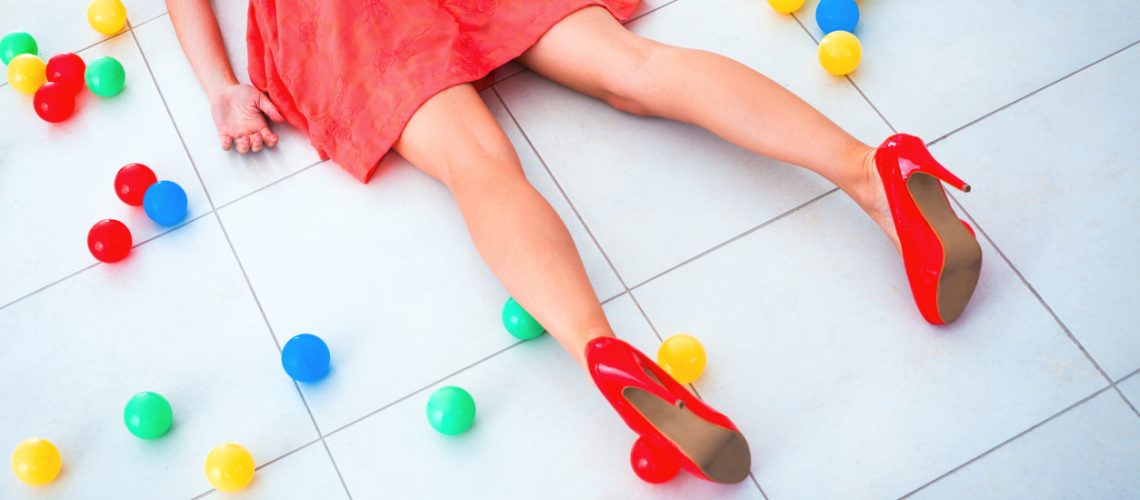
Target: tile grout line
1033, 93
628, 291
233, 250
1048, 308
733, 239
1007, 441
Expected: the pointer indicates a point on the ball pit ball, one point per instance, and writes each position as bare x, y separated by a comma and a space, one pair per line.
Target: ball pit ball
305, 358
107, 16
148, 415
26, 73
451, 410
840, 53
36, 462
520, 323
786, 6
132, 181
54, 103
165, 203
16, 43
105, 76
66, 70
109, 240
229, 468
653, 462
682, 357
837, 15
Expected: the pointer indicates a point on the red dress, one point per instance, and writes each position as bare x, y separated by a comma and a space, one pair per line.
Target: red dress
352, 73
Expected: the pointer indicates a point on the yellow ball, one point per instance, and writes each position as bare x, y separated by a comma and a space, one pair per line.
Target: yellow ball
786, 6
840, 53
107, 16
229, 467
682, 357
27, 73
36, 462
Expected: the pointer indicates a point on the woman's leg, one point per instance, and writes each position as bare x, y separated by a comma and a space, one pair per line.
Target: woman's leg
454, 138
591, 52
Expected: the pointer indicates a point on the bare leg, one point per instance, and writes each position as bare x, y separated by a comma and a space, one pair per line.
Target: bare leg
591, 52
454, 138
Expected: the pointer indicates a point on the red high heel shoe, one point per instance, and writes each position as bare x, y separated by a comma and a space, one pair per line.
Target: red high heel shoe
659, 409
941, 255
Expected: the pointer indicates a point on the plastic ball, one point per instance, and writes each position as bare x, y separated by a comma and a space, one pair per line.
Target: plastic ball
840, 53
520, 323
36, 462
132, 181
652, 462
837, 15
682, 357
148, 415
54, 103
26, 73
105, 76
66, 70
165, 203
451, 410
305, 358
229, 467
786, 6
16, 43
109, 240
107, 16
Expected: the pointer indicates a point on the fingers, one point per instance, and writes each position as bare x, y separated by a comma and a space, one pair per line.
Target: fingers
242, 144
266, 106
255, 142
268, 137
227, 143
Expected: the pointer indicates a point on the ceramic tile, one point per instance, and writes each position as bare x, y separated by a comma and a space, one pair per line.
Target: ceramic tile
56, 180
817, 351
541, 429
656, 193
385, 272
305, 474
1131, 389
931, 67
1092, 451
176, 318
61, 26
227, 174
1066, 156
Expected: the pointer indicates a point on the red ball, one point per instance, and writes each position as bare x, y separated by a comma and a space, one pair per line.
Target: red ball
67, 69
132, 182
653, 462
109, 240
54, 103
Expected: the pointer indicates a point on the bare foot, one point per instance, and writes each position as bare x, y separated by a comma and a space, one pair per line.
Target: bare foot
870, 194
239, 112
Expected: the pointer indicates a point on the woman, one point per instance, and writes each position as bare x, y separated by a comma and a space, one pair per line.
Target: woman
365, 77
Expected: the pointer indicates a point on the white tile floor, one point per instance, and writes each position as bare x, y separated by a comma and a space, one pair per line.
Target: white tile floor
815, 347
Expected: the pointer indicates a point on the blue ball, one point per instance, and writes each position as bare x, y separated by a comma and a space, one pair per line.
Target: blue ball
837, 15
165, 203
305, 358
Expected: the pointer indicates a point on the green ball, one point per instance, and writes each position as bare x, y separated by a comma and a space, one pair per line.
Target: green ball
520, 323
16, 43
451, 410
105, 76
148, 415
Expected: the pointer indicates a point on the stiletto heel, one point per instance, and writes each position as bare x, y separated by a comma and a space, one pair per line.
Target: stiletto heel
941, 254
666, 415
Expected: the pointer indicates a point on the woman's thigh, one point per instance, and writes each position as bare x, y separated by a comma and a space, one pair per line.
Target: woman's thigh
453, 132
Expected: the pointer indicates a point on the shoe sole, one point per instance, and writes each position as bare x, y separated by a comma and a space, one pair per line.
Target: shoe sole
961, 254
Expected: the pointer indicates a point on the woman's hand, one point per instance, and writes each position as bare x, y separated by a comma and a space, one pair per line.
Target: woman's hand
239, 112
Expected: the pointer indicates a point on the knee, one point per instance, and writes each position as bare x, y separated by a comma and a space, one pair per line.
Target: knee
487, 159
630, 85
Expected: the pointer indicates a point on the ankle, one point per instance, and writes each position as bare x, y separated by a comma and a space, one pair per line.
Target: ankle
863, 183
